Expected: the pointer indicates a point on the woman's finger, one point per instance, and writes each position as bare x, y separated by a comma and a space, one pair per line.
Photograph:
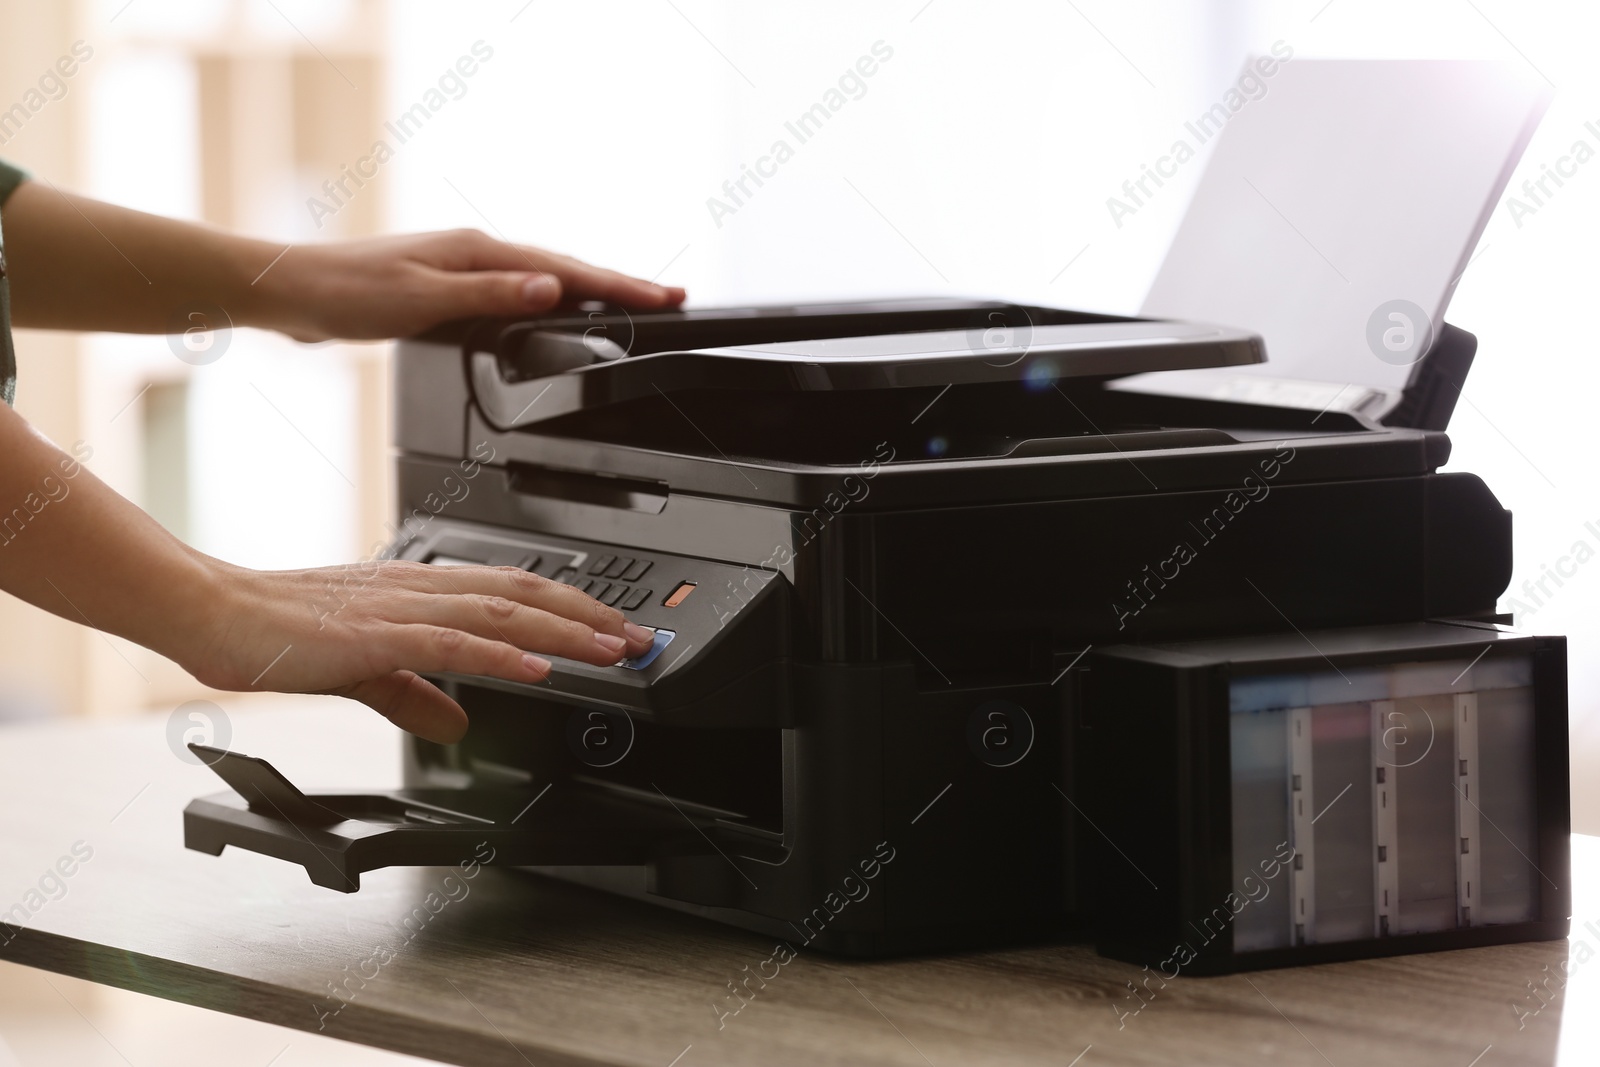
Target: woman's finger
532, 590
599, 283
496, 618
414, 704
430, 649
479, 251
460, 294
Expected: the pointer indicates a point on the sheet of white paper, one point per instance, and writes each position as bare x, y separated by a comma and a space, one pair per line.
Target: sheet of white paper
1348, 185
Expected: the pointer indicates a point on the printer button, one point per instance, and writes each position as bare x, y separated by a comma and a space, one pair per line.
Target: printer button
614, 594
621, 564
582, 584
663, 638
599, 566
598, 590
635, 598
566, 576
637, 571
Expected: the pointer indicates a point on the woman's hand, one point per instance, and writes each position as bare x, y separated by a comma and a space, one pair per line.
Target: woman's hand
360, 631
79, 264
400, 286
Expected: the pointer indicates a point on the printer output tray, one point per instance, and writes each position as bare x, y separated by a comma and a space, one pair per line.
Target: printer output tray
338, 837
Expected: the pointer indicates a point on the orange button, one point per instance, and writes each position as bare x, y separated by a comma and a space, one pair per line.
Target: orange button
679, 595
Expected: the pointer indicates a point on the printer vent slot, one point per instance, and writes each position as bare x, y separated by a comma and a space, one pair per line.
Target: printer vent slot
632, 494
1084, 444
734, 776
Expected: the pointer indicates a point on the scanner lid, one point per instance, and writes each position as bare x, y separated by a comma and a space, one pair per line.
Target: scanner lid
533, 371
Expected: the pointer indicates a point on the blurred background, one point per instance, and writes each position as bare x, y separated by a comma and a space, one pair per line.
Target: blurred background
977, 161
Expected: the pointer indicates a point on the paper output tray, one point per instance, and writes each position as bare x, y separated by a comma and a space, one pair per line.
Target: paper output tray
337, 837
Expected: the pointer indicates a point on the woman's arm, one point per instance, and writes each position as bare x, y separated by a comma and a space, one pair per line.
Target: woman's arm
79, 264
72, 546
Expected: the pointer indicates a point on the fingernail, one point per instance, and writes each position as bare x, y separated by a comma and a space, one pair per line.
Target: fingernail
638, 633
538, 289
535, 664
612, 646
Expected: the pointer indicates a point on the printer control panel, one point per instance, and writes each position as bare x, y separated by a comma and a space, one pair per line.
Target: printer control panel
689, 602
616, 581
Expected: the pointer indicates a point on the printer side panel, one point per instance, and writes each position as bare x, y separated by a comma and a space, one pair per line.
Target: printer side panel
982, 592
1138, 774
1468, 540
430, 399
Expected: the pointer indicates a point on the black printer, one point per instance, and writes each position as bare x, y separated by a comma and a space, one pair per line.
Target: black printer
960, 645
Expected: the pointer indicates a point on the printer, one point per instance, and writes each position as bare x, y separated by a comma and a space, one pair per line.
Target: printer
983, 623
959, 645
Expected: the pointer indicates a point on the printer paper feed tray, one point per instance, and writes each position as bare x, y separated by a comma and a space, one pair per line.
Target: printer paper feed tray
337, 837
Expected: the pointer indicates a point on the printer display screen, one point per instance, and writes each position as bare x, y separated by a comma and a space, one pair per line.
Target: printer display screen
1385, 800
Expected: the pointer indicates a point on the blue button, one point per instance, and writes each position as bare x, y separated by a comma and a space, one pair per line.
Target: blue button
639, 663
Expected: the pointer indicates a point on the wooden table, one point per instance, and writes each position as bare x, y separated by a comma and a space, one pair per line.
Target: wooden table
521, 970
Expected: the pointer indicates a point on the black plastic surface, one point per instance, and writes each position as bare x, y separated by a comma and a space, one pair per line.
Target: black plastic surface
527, 374
337, 837
1436, 383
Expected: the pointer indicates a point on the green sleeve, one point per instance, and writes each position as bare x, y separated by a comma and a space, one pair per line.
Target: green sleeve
10, 178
